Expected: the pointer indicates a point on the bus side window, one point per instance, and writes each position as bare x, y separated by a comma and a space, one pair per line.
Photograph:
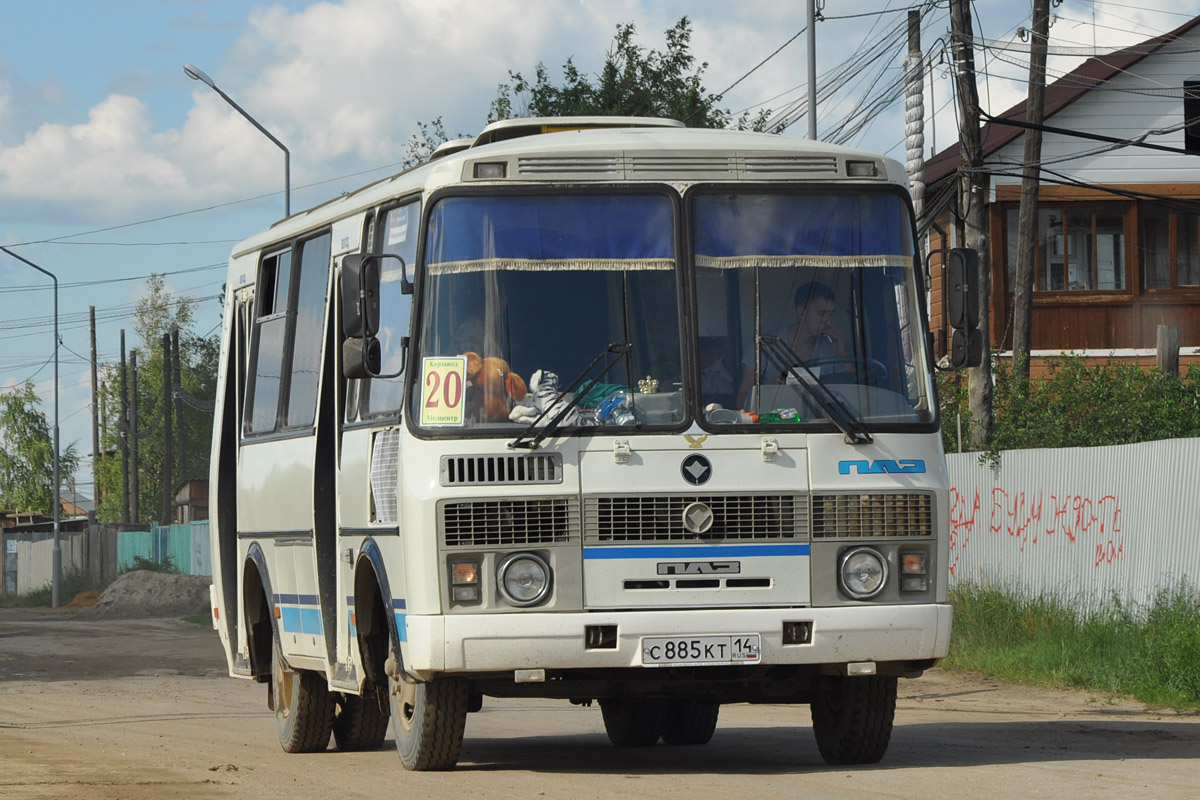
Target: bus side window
267, 342
399, 236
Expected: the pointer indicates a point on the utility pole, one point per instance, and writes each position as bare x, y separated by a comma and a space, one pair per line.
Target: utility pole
972, 203
95, 413
123, 434
914, 112
177, 391
134, 467
1027, 215
811, 12
168, 431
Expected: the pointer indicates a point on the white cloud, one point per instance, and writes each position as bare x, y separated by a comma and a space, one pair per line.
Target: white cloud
344, 84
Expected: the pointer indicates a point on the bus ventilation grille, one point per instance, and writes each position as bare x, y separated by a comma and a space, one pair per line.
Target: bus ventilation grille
658, 518
856, 516
525, 521
497, 470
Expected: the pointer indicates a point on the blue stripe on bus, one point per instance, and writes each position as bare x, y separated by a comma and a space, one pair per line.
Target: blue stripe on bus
698, 551
297, 599
290, 619
399, 604
310, 621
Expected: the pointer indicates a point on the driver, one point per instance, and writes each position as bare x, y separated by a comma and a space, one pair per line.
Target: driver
812, 336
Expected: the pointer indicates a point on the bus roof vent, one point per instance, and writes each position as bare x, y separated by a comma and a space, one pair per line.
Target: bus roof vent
789, 166
532, 126
602, 166
501, 470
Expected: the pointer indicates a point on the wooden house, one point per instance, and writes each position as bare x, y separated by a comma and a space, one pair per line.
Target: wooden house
1118, 233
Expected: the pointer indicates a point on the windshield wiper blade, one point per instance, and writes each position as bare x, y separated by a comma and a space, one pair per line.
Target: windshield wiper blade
524, 442
786, 360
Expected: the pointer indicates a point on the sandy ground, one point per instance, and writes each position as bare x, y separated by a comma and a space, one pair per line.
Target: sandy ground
139, 709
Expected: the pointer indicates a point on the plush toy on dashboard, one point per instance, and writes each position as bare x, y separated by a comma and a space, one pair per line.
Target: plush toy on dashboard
496, 387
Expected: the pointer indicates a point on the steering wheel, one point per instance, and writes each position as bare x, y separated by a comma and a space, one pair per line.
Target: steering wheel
877, 371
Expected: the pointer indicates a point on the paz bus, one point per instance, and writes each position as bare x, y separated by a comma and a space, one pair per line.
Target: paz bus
595, 409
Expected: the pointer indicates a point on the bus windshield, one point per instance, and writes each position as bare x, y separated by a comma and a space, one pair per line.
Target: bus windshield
523, 293
804, 295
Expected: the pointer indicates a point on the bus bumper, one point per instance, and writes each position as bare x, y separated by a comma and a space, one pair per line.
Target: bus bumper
471, 643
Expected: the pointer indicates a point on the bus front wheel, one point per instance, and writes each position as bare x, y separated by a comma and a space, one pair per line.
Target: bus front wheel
690, 721
428, 719
852, 717
304, 707
633, 721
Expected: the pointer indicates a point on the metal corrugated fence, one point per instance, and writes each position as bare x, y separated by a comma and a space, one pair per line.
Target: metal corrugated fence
187, 546
1084, 525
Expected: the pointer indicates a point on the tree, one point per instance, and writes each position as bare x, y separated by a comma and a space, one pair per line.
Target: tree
27, 453
633, 81
159, 312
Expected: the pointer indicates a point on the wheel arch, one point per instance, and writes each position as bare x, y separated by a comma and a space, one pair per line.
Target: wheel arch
262, 628
372, 604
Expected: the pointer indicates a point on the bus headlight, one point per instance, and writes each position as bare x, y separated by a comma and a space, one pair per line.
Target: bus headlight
863, 572
524, 579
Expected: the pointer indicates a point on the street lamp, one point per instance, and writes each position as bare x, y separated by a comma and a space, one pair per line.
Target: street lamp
56, 553
196, 74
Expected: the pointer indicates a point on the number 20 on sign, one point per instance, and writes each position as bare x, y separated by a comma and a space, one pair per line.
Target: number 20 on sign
443, 384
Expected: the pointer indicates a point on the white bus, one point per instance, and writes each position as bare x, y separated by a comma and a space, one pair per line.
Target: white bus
598, 409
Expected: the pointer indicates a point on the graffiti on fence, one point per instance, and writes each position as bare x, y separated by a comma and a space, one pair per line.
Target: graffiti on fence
1030, 518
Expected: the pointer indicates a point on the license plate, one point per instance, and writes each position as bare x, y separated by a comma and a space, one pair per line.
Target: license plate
661, 651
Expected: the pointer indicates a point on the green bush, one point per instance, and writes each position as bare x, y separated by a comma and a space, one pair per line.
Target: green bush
1078, 404
1153, 654
149, 565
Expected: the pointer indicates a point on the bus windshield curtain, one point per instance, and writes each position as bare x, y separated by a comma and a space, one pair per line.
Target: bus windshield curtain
776, 230
561, 232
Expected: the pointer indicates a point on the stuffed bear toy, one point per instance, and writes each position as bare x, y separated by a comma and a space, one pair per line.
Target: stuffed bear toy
496, 386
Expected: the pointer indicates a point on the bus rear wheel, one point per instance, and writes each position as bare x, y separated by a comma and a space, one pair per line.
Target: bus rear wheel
633, 721
428, 720
362, 721
852, 717
304, 707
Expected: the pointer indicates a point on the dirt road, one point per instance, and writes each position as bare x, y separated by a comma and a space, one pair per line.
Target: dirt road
142, 709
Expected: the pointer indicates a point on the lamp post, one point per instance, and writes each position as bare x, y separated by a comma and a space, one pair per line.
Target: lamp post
56, 553
196, 74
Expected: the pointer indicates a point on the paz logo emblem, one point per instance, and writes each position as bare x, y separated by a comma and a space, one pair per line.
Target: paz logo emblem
697, 518
696, 469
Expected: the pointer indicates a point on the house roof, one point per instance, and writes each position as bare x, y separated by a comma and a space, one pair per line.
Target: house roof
1060, 94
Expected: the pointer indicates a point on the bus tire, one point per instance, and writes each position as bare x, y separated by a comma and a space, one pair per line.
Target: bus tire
428, 719
362, 721
304, 707
852, 717
633, 721
690, 721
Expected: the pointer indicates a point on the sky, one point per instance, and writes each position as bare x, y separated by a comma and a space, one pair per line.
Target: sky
114, 165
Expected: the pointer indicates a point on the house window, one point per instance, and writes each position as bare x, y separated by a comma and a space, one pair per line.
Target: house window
1191, 116
1079, 248
1170, 245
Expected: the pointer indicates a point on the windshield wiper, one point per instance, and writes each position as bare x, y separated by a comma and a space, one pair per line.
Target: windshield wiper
786, 360
524, 442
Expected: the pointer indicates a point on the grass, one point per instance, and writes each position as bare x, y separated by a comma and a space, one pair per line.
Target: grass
203, 618
73, 582
1153, 656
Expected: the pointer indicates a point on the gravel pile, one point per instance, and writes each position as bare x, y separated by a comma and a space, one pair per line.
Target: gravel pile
141, 593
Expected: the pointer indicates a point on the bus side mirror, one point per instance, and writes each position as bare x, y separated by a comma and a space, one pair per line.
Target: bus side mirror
361, 357
360, 295
961, 288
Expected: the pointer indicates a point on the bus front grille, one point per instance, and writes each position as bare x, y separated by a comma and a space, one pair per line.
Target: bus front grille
854, 516
507, 522
496, 470
659, 518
